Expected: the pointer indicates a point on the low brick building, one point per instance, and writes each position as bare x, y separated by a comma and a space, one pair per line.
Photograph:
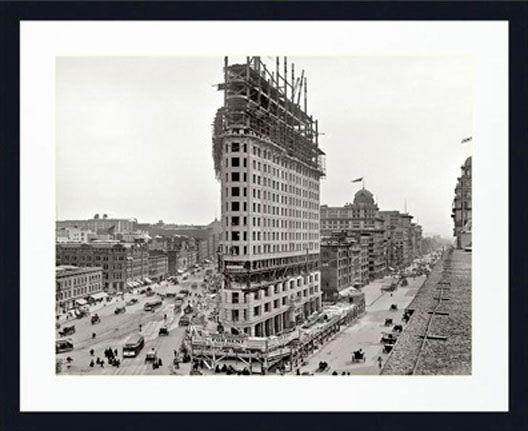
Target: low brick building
340, 265
158, 265
74, 285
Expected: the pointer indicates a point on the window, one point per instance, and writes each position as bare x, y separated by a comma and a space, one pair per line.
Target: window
235, 206
235, 176
235, 221
256, 311
235, 236
234, 297
235, 191
235, 162
235, 147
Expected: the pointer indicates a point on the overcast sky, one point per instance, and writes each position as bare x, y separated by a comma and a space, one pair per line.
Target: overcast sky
134, 134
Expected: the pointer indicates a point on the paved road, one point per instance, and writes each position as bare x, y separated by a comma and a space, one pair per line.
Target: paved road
114, 330
366, 332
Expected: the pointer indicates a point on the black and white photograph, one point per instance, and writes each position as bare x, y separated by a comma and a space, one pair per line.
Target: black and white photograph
264, 215
247, 216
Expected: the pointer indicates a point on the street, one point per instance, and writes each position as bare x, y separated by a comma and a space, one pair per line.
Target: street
114, 330
366, 332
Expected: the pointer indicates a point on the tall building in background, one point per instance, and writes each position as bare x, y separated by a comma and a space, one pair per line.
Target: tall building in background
267, 158
462, 208
360, 219
102, 224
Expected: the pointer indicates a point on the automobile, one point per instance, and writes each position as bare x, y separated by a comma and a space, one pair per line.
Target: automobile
132, 301
95, 319
196, 373
67, 330
184, 292
170, 294
184, 321
163, 331
119, 310
188, 309
64, 345
194, 285
151, 356
150, 293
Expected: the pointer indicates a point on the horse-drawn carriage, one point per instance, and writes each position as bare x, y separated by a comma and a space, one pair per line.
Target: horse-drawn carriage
387, 348
119, 310
397, 328
67, 330
81, 312
388, 322
359, 356
323, 366
393, 307
407, 315
95, 319
388, 338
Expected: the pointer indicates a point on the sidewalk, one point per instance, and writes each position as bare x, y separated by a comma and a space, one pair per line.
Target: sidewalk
366, 332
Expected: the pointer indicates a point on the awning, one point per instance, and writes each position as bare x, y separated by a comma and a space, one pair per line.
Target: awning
129, 284
179, 271
99, 295
81, 301
148, 280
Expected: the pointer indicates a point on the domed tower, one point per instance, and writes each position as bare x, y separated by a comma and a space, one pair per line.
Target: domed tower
365, 204
364, 197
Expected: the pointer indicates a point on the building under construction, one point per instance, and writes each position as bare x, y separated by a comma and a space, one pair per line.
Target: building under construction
268, 161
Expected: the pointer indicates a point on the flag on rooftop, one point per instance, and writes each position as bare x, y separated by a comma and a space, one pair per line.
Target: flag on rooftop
466, 140
357, 180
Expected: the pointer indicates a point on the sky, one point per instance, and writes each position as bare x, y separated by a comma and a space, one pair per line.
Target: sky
134, 134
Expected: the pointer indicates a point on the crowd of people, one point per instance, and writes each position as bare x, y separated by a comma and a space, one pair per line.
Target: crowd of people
110, 355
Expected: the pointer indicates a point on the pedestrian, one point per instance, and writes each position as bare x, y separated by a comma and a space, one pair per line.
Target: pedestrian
93, 335
91, 363
92, 351
380, 362
115, 352
102, 364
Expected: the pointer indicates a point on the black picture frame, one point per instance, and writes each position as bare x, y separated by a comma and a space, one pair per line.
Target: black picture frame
11, 13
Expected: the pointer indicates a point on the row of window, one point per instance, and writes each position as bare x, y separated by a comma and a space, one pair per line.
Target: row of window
272, 305
235, 250
74, 281
270, 236
72, 293
266, 154
234, 206
272, 223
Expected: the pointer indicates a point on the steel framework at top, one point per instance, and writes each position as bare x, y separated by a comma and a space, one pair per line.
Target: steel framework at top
268, 104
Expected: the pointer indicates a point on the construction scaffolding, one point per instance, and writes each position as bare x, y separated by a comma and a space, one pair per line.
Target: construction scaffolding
267, 104
261, 355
